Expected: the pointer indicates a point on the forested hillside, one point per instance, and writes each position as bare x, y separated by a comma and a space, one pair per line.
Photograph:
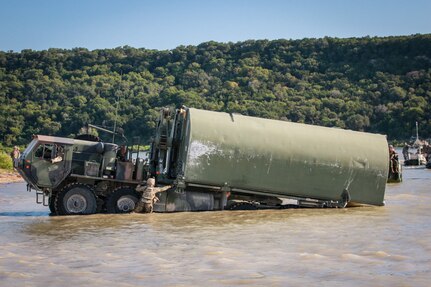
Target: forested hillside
372, 84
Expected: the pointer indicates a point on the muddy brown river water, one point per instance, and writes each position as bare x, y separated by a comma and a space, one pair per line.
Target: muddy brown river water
362, 246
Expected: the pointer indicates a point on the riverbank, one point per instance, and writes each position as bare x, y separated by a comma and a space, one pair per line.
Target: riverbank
7, 176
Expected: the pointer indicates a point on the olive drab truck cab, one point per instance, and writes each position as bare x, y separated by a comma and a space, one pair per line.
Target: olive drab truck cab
213, 161
46, 162
76, 176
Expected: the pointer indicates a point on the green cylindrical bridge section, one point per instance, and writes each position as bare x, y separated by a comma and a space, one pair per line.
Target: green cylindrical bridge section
284, 158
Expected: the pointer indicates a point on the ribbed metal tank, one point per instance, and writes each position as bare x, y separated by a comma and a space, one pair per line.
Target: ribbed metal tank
284, 158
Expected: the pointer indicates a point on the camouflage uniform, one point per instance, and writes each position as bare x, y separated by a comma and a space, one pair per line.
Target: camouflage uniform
146, 203
15, 154
393, 160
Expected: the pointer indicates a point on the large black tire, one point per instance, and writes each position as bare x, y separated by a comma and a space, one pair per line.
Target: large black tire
122, 200
76, 198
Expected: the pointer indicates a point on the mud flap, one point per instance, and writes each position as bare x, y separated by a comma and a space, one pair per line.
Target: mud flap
42, 198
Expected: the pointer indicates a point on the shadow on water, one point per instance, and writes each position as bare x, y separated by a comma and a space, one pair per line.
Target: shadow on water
24, 213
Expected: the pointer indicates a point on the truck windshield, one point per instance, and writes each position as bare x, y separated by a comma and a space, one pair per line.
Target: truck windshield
44, 151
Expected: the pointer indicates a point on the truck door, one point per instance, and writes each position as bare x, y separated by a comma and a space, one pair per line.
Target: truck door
50, 164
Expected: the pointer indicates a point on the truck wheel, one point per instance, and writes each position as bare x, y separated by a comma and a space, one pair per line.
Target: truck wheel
122, 200
76, 198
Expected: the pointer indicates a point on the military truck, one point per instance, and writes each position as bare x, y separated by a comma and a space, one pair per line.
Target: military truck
75, 176
213, 161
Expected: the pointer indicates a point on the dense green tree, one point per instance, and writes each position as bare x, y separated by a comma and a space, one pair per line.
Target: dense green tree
372, 84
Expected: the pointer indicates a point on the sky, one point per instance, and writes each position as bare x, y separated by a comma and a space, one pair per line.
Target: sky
166, 24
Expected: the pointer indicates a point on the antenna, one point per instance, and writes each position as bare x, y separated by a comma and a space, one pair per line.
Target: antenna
116, 115
417, 131
116, 110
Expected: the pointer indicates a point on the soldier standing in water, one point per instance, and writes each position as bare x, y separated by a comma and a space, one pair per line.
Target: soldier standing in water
15, 154
146, 203
393, 160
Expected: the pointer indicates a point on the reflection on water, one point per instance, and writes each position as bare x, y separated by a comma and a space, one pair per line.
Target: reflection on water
363, 246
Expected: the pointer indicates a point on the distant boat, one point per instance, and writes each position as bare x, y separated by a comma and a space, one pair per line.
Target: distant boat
415, 154
415, 159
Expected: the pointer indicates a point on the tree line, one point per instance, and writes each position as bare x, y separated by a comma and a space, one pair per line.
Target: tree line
373, 84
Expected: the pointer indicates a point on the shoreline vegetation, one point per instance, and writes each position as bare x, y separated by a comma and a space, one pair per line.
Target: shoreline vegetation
7, 172
372, 84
